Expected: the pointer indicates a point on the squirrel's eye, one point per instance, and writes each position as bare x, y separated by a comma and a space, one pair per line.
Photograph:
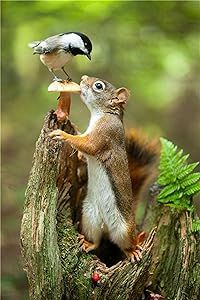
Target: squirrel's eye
99, 86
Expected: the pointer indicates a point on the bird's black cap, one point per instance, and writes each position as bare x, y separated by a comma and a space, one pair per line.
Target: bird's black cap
86, 40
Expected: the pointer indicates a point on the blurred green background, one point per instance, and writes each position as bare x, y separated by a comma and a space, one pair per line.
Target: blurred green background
152, 48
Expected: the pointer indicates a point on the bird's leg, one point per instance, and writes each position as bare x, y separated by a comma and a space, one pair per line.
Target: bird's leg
68, 78
55, 78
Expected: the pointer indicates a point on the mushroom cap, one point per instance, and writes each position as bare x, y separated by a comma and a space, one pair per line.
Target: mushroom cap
64, 86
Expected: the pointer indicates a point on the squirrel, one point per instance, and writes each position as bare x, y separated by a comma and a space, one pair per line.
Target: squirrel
109, 205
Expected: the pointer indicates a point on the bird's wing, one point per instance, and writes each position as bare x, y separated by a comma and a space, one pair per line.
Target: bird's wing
51, 44
54, 43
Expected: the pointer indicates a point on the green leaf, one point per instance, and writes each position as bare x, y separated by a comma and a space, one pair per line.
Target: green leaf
175, 197
191, 179
186, 170
179, 162
181, 206
169, 189
163, 181
196, 225
177, 177
192, 189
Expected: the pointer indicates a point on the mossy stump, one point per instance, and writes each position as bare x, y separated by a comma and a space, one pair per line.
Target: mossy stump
57, 269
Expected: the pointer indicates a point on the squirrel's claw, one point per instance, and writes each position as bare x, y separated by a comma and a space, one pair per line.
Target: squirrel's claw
140, 248
134, 254
85, 245
139, 254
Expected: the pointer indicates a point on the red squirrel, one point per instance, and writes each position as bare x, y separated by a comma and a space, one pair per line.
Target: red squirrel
109, 206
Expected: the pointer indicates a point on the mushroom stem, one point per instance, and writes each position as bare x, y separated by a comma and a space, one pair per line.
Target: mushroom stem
63, 108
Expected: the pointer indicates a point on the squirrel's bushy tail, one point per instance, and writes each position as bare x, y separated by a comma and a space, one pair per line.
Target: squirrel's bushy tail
143, 156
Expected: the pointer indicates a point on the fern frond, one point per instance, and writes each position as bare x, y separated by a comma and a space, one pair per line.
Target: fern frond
181, 206
196, 225
182, 160
171, 198
186, 170
192, 189
176, 176
191, 179
169, 189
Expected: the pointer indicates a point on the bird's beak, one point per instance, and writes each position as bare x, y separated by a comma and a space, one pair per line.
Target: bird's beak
88, 56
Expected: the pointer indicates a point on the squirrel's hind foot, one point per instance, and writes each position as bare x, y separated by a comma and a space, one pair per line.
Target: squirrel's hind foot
85, 245
135, 254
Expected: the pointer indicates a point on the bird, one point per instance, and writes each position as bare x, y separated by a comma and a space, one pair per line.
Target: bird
56, 51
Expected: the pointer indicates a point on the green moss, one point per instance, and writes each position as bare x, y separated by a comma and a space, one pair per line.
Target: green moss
75, 264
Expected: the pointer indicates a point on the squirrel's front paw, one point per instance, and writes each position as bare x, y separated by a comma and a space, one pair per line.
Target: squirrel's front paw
58, 135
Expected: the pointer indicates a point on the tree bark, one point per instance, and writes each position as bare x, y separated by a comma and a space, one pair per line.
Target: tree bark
56, 268
176, 255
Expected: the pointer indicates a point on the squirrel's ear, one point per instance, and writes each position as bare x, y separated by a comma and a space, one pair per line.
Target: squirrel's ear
122, 95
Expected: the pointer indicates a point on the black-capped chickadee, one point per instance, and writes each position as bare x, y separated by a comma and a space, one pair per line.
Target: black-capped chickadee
59, 49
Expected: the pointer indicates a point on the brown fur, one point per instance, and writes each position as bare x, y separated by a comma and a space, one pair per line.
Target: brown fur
142, 159
107, 143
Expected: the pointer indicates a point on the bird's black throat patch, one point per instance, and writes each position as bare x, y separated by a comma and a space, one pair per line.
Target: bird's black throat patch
75, 51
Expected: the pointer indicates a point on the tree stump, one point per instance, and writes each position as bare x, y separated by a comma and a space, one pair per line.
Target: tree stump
55, 266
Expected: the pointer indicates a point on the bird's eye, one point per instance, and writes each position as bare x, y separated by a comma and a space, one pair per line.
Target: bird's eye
99, 86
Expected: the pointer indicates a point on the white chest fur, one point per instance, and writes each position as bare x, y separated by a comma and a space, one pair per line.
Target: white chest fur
95, 117
100, 211
100, 193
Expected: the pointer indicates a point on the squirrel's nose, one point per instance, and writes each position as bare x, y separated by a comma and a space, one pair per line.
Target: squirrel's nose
84, 77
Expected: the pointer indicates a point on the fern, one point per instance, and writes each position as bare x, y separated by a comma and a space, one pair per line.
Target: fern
196, 225
177, 178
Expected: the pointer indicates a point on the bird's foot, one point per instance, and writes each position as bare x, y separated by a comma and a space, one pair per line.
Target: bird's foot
57, 79
85, 245
69, 79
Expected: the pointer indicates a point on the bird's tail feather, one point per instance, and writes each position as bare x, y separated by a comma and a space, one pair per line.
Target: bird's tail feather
34, 44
